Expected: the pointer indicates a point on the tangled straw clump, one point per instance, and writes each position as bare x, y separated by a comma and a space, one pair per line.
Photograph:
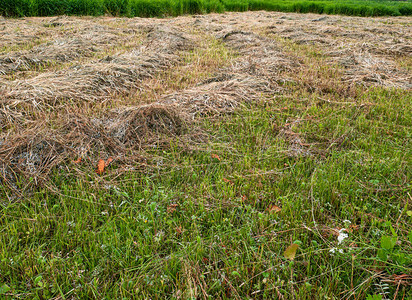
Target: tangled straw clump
36, 152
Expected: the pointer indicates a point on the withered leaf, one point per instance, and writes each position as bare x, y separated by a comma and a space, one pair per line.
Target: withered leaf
172, 207
290, 251
228, 181
100, 167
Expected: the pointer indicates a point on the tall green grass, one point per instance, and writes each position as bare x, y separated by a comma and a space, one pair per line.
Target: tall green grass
163, 8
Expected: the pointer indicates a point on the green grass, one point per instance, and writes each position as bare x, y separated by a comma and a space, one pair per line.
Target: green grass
198, 225
162, 8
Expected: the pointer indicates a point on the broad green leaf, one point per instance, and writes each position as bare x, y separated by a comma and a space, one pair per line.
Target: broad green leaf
410, 236
409, 213
4, 289
388, 242
290, 251
382, 255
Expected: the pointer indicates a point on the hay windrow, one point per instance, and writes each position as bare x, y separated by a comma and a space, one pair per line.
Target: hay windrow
124, 132
116, 75
58, 51
63, 43
135, 126
221, 96
10, 118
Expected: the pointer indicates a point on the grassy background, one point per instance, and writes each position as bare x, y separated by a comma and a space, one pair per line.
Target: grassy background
161, 8
202, 222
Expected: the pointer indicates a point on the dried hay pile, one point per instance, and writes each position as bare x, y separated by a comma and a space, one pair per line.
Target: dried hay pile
365, 47
116, 75
368, 69
58, 51
261, 57
121, 134
221, 94
69, 42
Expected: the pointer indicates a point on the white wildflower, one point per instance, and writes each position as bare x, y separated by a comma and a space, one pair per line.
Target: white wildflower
342, 236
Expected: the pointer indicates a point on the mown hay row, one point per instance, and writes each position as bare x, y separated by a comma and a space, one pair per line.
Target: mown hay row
368, 69
119, 74
364, 48
221, 94
58, 51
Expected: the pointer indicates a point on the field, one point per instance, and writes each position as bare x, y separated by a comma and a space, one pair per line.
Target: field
162, 8
179, 158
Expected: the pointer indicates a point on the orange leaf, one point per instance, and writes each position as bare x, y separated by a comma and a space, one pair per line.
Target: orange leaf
227, 181
77, 161
215, 156
108, 162
274, 209
100, 167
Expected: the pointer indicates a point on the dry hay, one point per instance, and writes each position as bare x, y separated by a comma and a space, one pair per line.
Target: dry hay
58, 51
10, 118
122, 133
34, 151
119, 74
15, 32
82, 44
18, 33
220, 94
37, 151
60, 45
365, 68
138, 126
363, 46
167, 39
260, 56
301, 37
